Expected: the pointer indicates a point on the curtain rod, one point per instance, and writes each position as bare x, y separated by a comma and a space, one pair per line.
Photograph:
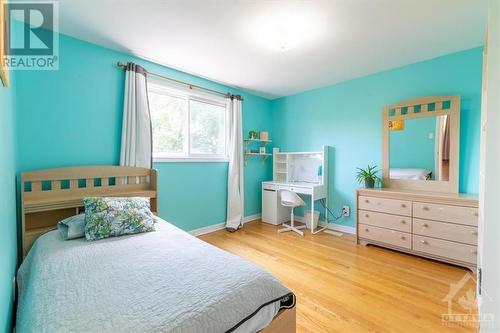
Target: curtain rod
190, 85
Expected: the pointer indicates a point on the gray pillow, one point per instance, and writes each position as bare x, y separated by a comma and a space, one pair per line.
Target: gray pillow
72, 227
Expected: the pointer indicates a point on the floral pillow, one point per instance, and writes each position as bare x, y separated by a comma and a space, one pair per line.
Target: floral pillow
112, 216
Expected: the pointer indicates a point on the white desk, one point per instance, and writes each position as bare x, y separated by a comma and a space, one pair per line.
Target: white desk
315, 191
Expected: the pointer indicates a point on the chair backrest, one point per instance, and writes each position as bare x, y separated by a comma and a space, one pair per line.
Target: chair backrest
291, 199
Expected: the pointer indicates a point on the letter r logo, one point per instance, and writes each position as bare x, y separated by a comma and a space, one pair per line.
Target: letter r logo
36, 37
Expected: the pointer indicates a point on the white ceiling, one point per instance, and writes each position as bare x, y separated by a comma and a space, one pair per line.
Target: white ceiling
226, 40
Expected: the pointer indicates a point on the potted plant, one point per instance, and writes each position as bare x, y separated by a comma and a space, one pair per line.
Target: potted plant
252, 135
368, 176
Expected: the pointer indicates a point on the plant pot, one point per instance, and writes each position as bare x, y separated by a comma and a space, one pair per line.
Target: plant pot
369, 183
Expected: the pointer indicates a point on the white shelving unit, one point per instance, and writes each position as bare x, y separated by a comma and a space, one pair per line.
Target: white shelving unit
280, 166
290, 167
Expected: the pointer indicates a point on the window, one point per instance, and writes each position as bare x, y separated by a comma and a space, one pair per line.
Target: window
187, 125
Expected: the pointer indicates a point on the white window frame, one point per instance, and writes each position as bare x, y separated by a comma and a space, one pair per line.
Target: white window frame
163, 88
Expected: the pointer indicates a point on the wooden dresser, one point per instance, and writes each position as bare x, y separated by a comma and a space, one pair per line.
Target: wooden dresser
439, 226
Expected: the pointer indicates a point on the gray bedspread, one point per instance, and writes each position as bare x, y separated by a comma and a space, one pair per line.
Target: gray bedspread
162, 281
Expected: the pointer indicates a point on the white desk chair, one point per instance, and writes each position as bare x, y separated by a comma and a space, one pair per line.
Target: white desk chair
292, 200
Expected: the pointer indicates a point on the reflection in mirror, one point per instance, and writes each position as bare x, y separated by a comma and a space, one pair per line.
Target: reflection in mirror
419, 148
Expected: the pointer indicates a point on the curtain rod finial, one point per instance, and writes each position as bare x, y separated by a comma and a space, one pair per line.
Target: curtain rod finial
121, 64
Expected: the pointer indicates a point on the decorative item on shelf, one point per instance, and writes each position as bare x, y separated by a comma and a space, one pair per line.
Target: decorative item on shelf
396, 125
262, 150
368, 176
252, 135
264, 135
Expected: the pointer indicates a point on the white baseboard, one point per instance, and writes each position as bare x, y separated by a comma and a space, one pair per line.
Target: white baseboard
339, 227
246, 219
208, 229
332, 226
250, 218
219, 226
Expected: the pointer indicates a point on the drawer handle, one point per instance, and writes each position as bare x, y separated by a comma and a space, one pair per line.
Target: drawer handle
367, 216
475, 214
424, 242
425, 225
367, 201
403, 205
403, 237
425, 208
403, 222
367, 230
474, 232
473, 251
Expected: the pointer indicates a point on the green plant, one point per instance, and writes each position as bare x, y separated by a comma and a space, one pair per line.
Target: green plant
367, 175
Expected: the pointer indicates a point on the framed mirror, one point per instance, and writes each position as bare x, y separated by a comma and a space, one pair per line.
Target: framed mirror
421, 139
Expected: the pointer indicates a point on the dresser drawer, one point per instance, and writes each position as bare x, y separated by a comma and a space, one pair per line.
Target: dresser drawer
445, 213
392, 237
449, 231
445, 249
396, 222
391, 206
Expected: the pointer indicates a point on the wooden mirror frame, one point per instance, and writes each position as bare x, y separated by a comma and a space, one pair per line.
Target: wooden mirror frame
4, 72
450, 186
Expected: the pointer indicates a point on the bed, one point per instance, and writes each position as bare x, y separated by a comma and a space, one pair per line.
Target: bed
160, 281
410, 173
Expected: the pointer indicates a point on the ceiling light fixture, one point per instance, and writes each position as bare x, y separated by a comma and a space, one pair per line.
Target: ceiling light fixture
284, 38
283, 28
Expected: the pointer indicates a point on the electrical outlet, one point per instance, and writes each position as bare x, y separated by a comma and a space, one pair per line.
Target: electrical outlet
345, 211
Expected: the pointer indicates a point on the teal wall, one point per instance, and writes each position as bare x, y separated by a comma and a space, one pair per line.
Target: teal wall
411, 147
8, 231
73, 117
347, 116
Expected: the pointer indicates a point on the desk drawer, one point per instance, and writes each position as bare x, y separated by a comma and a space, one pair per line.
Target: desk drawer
449, 231
391, 206
395, 222
445, 213
266, 186
392, 237
296, 189
445, 249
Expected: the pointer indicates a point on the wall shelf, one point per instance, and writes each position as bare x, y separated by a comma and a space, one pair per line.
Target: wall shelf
261, 143
258, 140
249, 155
258, 154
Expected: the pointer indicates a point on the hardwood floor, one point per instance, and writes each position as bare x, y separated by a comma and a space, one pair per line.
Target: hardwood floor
344, 287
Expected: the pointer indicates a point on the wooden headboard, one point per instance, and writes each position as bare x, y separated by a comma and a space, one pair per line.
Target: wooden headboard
49, 196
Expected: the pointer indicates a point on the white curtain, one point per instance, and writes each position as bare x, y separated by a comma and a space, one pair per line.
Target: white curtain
235, 174
136, 144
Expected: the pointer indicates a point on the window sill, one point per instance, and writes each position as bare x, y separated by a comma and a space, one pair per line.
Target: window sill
190, 160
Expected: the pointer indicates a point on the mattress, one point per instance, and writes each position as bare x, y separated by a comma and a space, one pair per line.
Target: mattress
161, 281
